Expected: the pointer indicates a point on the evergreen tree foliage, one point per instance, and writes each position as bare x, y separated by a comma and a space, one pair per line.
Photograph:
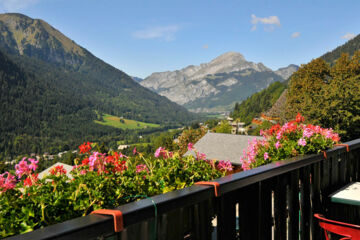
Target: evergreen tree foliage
349, 47
223, 127
328, 96
258, 102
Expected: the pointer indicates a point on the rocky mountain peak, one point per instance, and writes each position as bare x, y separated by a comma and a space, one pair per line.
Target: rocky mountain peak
229, 57
23, 35
286, 72
225, 77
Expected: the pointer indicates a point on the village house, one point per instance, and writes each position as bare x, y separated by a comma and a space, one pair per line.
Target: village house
222, 146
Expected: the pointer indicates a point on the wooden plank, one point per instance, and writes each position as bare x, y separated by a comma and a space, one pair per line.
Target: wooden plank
357, 166
294, 206
265, 211
316, 232
342, 168
226, 218
196, 222
248, 212
162, 227
205, 217
325, 185
305, 203
280, 214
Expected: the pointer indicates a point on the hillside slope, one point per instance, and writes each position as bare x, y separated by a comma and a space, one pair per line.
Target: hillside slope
258, 103
111, 90
349, 47
277, 108
53, 90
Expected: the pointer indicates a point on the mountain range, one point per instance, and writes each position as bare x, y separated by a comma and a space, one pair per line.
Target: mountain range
217, 85
52, 90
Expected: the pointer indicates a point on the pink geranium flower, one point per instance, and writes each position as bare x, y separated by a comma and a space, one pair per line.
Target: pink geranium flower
302, 142
7, 182
23, 168
141, 168
190, 146
225, 166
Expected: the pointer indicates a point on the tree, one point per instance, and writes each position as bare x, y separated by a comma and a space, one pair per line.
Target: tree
328, 96
224, 127
189, 136
304, 89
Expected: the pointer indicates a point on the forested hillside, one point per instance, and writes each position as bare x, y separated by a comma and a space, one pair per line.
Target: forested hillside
258, 102
52, 90
37, 114
349, 47
41, 49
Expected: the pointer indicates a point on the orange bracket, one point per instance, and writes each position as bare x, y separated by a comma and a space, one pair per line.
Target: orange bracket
215, 184
325, 156
344, 145
118, 217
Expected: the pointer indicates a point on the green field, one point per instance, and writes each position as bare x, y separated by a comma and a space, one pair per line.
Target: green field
113, 121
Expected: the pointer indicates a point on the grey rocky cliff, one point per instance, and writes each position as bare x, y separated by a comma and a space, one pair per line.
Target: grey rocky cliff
223, 81
286, 72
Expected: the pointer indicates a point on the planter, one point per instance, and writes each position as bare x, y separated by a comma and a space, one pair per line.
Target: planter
187, 212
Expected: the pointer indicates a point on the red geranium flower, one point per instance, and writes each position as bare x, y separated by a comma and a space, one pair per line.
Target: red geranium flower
299, 118
85, 147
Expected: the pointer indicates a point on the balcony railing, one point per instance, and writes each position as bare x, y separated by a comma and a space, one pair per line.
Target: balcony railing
275, 201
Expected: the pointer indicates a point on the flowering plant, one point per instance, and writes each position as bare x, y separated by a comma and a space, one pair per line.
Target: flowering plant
292, 139
99, 180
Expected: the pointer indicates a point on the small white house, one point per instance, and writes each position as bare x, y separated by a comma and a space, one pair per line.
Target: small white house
67, 167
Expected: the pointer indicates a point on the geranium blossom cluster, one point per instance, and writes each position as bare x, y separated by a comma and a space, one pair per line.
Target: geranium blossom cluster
222, 165
162, 152
98, 181
26, 168
23, 170
58, 170
292, 139
7, 181
102, 163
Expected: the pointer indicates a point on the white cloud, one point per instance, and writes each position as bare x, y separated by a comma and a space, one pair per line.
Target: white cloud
295, 35
205, 46
166, 33
348, 36
16, 5
271, 22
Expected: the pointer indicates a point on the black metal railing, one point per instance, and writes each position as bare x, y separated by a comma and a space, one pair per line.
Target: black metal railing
275, 201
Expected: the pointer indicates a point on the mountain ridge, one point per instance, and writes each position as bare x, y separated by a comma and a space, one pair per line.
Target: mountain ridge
23, 36
197, 86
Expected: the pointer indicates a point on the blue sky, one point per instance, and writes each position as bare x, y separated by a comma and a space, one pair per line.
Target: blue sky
142, 37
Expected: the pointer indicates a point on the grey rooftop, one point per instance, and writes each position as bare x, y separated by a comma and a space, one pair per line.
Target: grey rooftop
221, 146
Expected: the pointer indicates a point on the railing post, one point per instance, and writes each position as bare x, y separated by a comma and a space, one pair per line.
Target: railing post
280, 206
294, 207
265, 222
248, 199
226, 218
315, 200
305, 203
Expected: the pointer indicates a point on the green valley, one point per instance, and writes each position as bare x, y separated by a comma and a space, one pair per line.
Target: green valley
123, 123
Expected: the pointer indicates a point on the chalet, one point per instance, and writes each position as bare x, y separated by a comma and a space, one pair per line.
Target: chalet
221, 146
122, 147
237, 127
67, 167
259, 121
